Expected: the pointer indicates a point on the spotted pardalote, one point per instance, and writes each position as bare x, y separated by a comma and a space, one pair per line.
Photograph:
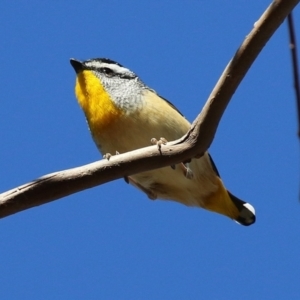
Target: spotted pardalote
124, 114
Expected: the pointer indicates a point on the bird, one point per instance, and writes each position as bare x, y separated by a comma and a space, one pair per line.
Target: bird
124, 114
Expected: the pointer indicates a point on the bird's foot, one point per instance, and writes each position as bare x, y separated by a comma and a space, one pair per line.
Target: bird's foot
161, 141
188, 173
108, 155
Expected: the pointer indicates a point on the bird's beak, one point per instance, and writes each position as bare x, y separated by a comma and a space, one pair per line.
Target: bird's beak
77, 65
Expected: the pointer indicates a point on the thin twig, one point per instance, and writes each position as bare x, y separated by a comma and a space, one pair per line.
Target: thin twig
295, 66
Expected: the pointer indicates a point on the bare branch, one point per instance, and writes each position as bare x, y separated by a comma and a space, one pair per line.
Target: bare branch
194, 143
293, 47
207, 122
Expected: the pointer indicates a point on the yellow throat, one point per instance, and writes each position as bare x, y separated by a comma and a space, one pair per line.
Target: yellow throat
99, 109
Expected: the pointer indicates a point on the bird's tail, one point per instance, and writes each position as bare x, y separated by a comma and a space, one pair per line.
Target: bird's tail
246, 211
223, 202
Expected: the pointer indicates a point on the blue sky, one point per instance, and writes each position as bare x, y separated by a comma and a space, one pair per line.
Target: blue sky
111, 242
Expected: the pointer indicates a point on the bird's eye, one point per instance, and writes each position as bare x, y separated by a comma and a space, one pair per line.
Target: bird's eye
108, 72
